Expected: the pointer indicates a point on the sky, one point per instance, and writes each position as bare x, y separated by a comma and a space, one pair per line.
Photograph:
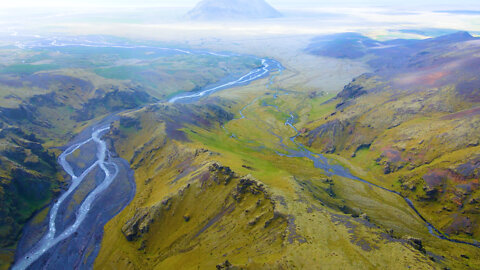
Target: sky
458, 4
310, 17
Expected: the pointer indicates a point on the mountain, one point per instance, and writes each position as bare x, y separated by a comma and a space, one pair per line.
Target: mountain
220, 183
232, 10
354, 45
415, 123
388, 173
42, 106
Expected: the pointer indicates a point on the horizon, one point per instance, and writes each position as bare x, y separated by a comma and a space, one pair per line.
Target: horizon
281, 4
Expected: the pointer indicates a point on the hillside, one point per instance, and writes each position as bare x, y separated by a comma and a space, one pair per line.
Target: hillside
196, 192
223, 182
49, 94
214, 10
414, 125
237, 170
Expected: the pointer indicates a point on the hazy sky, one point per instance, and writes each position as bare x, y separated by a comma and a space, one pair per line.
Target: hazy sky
433, 4
310, 17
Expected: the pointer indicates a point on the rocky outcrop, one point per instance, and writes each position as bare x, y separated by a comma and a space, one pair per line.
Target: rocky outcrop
215, 177
226, 265
139, 224
416, 243
327, 136
351, 91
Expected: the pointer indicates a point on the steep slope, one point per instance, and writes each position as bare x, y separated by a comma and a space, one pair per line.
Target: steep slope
49, 93
29, 179
212, 10
324, 221
258, 210
413, 125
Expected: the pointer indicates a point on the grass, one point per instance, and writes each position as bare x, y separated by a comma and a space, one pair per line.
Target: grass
326, 227
164, 168
319, 107
27, 69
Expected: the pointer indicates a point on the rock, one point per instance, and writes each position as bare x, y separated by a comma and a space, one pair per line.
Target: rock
416, 243
140, 223
225, 265
351, 91
221, 174
365, 217
255, 220
247, 185
387, 169
143, 245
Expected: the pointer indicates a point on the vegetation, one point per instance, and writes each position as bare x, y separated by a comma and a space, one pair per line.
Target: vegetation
49, 95
217, 184
330, 220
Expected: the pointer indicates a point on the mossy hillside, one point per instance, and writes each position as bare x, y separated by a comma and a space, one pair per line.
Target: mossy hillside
169, 165
180, 166
56, 94
357, 169
29, 180
352, 203
413, 141
391, 222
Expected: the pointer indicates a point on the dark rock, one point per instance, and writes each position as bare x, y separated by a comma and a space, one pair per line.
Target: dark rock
416, 243
464, 256
351, 91
224, 265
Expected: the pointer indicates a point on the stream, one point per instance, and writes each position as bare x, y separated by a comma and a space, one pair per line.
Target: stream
327, 165
101, 185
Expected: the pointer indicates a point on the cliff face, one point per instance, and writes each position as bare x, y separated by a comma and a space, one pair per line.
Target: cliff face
214, 10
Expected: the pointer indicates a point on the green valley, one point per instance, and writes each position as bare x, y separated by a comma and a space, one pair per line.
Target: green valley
239, 135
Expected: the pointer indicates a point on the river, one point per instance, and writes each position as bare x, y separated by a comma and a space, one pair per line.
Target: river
101, 185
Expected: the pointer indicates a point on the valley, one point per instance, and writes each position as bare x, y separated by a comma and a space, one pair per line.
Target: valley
33, 113
334, 151
249, 144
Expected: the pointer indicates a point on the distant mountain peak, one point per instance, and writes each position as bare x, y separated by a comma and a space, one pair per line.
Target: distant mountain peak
232, 10
456, 37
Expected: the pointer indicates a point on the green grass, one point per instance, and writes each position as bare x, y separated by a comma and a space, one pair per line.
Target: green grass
28, 69
320, 109
121, 72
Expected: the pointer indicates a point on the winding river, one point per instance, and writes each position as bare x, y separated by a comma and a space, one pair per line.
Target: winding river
101, 185
110, 170
330, 169
72, 233
329, 166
